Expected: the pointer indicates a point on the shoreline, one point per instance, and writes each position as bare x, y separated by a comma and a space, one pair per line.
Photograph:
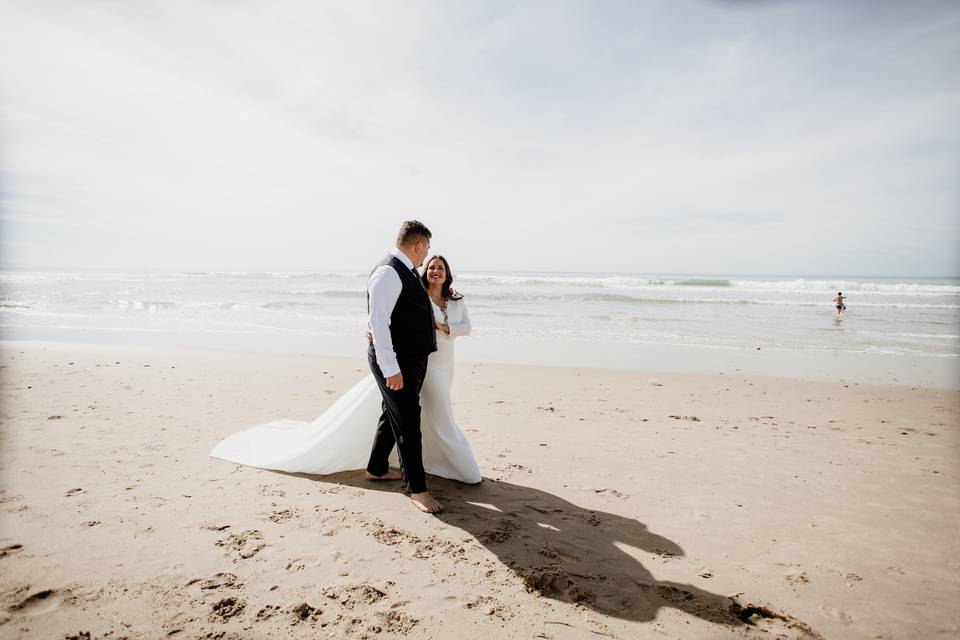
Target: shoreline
932, 372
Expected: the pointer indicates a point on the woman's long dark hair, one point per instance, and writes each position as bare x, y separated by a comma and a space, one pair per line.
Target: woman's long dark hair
445, 291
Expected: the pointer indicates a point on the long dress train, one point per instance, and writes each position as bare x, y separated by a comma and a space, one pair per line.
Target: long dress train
341, 438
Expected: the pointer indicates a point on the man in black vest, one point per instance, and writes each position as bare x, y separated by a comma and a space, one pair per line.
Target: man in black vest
401, 321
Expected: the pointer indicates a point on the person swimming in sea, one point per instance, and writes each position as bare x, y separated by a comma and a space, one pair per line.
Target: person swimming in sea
841, 307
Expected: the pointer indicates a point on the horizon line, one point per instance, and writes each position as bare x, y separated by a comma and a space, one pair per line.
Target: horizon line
315, 270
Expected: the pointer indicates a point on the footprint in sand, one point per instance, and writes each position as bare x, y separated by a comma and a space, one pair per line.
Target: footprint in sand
268, 490
796, 580
221, 580
4, 498
387, 535
397, 622
551, 581
333, 489
433, 545
246, 543
497, 535
349, 596
267, 612
771, 621
611, 492
281, 516
42, 602
490, 606
10, 549
838, 615
225, 609
296, 564
303, 612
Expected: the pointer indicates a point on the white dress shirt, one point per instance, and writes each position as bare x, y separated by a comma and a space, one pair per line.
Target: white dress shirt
384, 287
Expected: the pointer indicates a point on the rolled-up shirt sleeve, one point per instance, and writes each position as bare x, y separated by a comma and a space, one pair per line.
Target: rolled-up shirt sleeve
384, 288
462, 325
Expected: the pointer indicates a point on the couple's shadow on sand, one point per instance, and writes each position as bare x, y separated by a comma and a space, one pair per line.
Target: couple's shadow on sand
576, 555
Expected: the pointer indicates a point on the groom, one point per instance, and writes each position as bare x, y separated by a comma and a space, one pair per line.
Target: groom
401, 321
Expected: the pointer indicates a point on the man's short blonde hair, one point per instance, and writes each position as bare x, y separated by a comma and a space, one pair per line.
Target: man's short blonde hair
412, 231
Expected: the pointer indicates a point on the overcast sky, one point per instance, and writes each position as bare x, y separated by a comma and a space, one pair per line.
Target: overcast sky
714, 137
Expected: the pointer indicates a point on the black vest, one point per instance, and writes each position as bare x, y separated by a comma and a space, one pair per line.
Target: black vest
411, 323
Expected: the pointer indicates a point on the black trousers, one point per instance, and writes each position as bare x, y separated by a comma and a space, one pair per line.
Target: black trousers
399, 423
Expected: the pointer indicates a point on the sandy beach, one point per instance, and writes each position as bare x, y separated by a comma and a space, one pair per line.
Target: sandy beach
615, 504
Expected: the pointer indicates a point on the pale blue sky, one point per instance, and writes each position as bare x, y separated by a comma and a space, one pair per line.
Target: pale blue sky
685, 137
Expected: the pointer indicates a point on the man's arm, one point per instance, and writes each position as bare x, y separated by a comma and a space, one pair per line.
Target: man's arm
384, 288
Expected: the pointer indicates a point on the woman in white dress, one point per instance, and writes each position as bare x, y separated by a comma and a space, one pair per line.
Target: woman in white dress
342, 437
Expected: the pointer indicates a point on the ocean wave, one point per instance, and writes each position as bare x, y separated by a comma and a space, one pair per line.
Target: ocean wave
647, 300
525, 280
695, 282
493, 311
832, 286
292, 304
598, 281
315, 293
947, 287
43, 278
145, 305
305, 275
907, 305
908, 334
787, 286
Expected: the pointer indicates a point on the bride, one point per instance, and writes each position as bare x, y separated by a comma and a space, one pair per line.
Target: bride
342, 437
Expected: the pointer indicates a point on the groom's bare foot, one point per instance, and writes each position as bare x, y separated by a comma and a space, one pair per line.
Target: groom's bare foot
392, 474
426, 503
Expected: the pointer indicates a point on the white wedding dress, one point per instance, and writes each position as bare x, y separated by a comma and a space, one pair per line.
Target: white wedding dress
342, 437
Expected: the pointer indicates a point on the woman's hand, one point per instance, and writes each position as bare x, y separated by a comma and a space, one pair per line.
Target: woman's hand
441, 327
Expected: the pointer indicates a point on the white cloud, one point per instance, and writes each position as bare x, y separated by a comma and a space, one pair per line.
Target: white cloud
700, 137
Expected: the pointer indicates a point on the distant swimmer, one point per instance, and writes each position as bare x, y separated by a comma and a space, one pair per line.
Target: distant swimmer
841, 307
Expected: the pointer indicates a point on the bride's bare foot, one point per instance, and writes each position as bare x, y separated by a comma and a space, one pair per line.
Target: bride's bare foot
426, 503
391, 474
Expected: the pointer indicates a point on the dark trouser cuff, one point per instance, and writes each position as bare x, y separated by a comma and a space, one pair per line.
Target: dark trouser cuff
372, 470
